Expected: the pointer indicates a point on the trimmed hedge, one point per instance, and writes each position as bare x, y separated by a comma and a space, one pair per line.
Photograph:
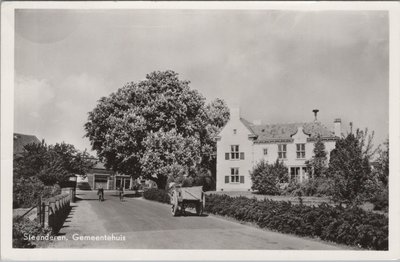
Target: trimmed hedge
157, 195
350, 226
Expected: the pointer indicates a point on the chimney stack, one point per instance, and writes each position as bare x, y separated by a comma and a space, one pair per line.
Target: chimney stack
315, 114
338, 127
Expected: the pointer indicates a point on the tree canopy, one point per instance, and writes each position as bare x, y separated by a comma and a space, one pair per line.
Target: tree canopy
51, 163
160, 107
350, 169
318, 163
266, 177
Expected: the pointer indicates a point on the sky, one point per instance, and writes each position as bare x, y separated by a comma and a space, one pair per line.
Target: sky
276, 65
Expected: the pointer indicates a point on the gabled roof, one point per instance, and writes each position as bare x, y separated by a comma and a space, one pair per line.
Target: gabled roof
279, 132
21, 140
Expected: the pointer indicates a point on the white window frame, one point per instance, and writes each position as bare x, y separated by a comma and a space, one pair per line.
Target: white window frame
235, 154
282, 151
301, 151
234, 176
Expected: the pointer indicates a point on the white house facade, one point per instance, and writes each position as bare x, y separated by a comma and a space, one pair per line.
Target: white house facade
241, 145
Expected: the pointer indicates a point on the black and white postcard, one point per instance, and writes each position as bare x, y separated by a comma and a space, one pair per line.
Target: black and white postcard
200, 130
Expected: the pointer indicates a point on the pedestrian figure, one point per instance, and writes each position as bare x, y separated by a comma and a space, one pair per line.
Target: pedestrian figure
100, 193
121, 193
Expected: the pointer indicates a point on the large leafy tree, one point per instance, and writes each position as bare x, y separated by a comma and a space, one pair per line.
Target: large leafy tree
217, 115
350, 170
121, 126
169, 155
382, 165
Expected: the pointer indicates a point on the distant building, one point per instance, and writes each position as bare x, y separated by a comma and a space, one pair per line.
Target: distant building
21, 140
98, 176
241, 145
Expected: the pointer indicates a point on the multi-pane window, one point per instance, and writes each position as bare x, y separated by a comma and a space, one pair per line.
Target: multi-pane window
234, 175
301, 150
234, 152
265, 151
282, 151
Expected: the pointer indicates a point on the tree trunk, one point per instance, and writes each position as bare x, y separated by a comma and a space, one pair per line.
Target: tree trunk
160, 181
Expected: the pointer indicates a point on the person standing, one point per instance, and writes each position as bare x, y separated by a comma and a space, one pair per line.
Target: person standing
100, 193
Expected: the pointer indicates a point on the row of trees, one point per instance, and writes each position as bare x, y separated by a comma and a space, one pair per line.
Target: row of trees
158, 128
348, 177
41, 169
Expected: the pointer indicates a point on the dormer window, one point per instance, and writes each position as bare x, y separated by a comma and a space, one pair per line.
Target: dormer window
301, 151
282, 151
234, 131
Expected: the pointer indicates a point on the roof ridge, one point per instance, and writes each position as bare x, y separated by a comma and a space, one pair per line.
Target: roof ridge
20, 134
287, 123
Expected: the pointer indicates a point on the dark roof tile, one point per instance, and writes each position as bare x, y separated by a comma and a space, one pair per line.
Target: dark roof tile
286, 131
21, 140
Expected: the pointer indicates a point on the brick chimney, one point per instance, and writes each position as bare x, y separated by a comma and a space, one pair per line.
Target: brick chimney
315, 111
338, 127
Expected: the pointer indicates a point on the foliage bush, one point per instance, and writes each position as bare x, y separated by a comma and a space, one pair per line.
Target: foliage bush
313, 187
26, 191
25, 227
266, 177
51, 163
381, 200
159, 195
350, 226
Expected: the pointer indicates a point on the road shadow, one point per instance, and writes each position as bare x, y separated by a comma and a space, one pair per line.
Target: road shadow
191, 214
78, 199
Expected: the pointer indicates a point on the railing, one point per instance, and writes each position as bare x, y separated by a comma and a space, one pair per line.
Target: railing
53, 211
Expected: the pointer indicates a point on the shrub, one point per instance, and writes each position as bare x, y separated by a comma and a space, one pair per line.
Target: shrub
266, 178
24, 227
381, 200
26, 191
312, 187
159, 195
350, 226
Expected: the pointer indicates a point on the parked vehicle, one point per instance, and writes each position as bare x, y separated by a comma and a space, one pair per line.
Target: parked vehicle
183, 197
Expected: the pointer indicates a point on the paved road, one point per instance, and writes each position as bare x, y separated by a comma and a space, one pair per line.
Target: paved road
150, 225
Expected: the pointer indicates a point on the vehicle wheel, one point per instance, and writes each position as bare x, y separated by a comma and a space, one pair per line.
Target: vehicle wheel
199, 209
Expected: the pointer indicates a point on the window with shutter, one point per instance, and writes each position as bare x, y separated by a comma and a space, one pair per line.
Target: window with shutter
242, 155
241, 179
226, 179
234, 175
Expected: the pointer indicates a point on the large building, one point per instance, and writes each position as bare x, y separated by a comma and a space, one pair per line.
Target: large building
241, 145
